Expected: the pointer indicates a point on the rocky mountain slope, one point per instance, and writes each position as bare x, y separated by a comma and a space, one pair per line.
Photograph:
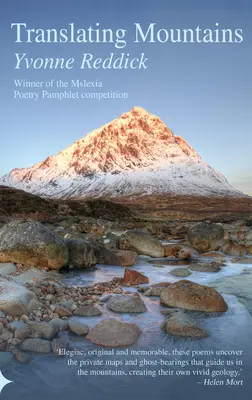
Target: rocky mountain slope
134, 155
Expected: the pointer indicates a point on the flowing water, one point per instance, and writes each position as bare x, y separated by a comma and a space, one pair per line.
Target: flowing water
49, 377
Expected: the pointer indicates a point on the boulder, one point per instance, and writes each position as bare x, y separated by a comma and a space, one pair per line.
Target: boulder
62, 311
206, 236
20, 329
180, 324
82, 254
46, 329
105, 297
37, 275
239, 286
6, 335
248, 238
36, 345
133, 277
14, 342
241, 260
7, 268
124, 258
88, 311
161, 284
183, 272
59, 324
249, 249
78, 327
184, 254
141, 243
123, 303
113, 333
68, 304
218, 255
110, 240
32, 244
192, 296
204, 267
233, 249
15, 299
153, 291
171, 249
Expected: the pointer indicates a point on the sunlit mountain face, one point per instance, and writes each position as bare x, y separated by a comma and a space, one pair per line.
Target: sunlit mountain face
134, 155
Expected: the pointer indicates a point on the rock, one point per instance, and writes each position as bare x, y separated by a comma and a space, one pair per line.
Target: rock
141, 243
180, 272
144, 258
14, 298
117, 290
36, 345
249, 249
3, 347
58, 345
214, 254
233, 249
248, 238
46, 329
6, 335
126, 304
110, 240
169, 311
24, 318
82, 254
32, 243
241, 260
153, 291
206, 236
63, 312
78, 327
20, 329
68, 304
105, 297
239, 286
33, 304
161, 284
192, 296
180, 324
171, 250
184, 254
133, 277
50, 297
124, 258
14, 342
35, 275
7, 268
88, 311
204, 267
59, 324
113, 333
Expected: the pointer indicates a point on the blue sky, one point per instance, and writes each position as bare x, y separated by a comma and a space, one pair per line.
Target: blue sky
203, 92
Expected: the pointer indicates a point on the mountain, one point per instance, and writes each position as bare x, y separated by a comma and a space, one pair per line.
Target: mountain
134, 155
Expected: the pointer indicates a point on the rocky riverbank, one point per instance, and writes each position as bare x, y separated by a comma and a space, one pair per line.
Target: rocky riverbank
39, 309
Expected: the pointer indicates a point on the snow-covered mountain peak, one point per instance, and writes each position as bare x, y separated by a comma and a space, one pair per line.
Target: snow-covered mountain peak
135, 154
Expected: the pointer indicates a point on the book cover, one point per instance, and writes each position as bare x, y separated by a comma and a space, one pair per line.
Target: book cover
125, 199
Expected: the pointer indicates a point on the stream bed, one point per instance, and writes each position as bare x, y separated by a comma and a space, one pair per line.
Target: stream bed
49, 377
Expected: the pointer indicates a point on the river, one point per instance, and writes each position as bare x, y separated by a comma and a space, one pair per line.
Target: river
49, 377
